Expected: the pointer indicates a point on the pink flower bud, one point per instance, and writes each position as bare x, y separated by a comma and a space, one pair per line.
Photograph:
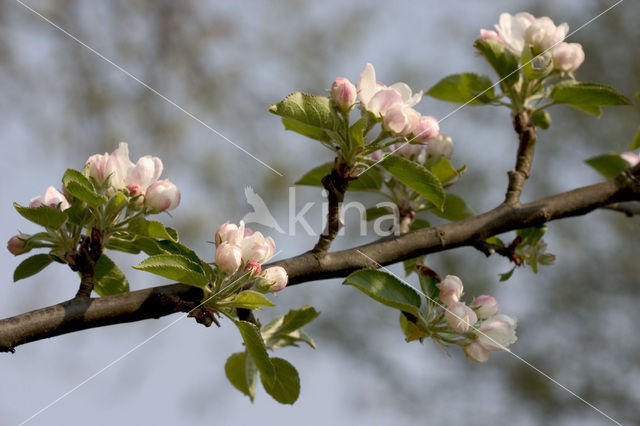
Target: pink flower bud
277, 276
115, 166
476, 352
485, 34
376, 155
230, 233
485, 306
426, 128
228, 257
440, 145
567, 57
630, 158
162, 196
52, 198
17, 244
450, 289
460, 317
497, 332
343, 93
257, 248
254, 267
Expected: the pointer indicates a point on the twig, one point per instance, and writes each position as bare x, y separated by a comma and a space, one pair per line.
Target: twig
526, 129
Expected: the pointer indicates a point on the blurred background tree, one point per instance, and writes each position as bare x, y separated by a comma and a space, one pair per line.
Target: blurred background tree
225, 62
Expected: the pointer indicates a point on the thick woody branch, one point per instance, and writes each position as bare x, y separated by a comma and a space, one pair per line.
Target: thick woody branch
83, 313
526, 129
629, 208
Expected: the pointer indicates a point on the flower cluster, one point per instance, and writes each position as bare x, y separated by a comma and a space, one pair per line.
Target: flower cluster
541, 35
391, 104
240, 248
479, 326
118, 172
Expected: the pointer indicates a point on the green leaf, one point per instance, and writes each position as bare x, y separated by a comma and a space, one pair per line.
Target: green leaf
80, 187
419, 224
507, 275
242, 378
250, 299
151, 229
292, 321
49, 217
375, 212
502, 61
108, 279
635, 143
304, 130
443, 170
307, 109
463, 88
589, 109
123, 245
178, 248
367, 181
255, 346
31, 266
454, 209
175, 267
356, 132
608, 165
386, 289
415, 177
149, 245
542, 119
587, 94
285, 388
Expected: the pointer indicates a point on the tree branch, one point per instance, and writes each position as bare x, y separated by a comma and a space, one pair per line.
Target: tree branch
83, 313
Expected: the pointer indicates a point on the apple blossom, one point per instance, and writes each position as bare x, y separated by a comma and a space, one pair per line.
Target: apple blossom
460, 317
511, 29
630, 158
230, 233
450, 289
343, 93
408, 150
485, 306
115, 166
543, 34
52, 198
378, 98
485, 34
376, 155
162, 196
256, 247
228, 257
476, 352
567, 57
145, 172
426, 128
498, 332
277, 276
440, 145
17, 244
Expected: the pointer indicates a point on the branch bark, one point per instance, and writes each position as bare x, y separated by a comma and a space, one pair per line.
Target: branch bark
526, 130
83, 313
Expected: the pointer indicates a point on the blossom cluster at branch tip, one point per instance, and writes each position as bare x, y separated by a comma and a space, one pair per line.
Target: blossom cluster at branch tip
141, 178
481, 326
393, 105
240, 248
541, 34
